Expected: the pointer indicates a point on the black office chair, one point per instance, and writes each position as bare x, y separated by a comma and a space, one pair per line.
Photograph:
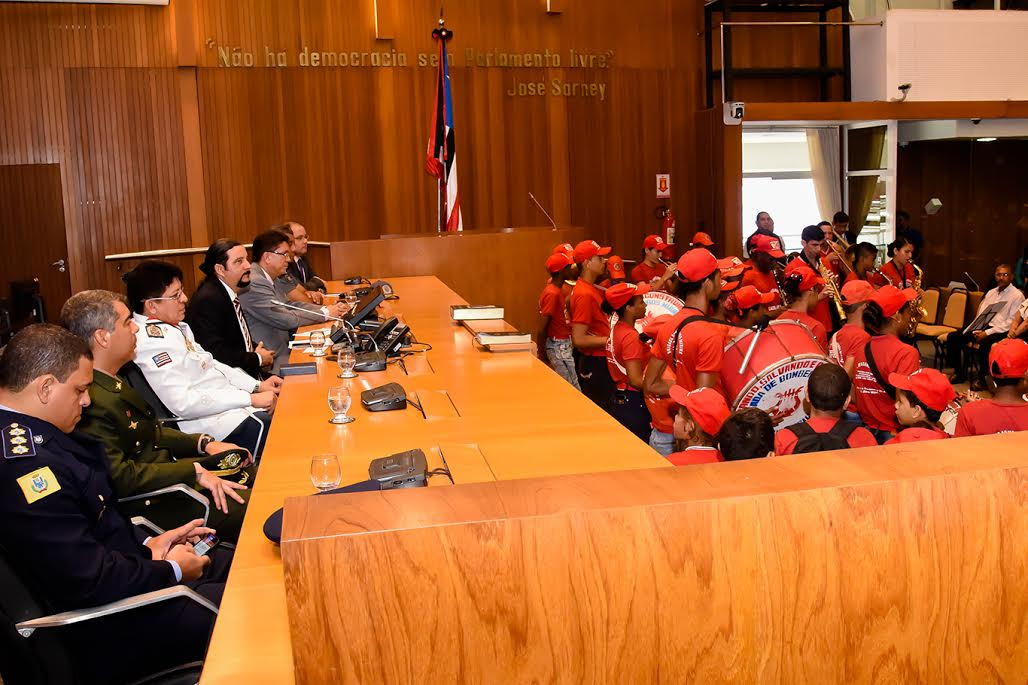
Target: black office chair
134, 375
32, 651
27, 306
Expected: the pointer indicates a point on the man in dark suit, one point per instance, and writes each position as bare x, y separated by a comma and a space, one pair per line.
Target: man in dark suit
63, 531
299, 268
214, 313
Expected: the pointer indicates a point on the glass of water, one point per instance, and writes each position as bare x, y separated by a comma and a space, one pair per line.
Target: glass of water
339, 403
318, 343
346, 359
325, 471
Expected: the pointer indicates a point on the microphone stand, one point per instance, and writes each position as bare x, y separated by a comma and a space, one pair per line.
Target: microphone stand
552, 222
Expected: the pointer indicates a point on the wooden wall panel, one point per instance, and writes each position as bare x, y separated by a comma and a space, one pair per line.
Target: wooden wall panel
984, 192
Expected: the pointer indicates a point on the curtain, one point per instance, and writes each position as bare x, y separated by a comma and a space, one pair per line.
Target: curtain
825, 167
866, 146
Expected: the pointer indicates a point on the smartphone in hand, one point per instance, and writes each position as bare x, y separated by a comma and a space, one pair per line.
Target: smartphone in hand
206, 544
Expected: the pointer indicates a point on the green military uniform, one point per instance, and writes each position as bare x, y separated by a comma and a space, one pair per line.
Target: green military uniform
146, 456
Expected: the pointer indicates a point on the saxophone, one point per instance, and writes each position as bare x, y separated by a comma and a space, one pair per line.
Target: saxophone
779, 271
832, 286
917, 308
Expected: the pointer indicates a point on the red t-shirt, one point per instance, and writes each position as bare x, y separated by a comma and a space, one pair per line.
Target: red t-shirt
553, 305
917, 435
853, 276
815, 326
890, 274
891, 355
785, 439
696, 455
700, 348
845, 343
644, 273
662, 409
765, 283
986, 417
585, 309
624, 345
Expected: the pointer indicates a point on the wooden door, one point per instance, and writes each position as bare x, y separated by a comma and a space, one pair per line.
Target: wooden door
33, 233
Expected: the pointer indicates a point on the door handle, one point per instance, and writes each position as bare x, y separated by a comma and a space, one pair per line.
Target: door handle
60, 265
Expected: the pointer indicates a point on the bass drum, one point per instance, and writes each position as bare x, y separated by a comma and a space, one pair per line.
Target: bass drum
775, 379
952, 410
658, 304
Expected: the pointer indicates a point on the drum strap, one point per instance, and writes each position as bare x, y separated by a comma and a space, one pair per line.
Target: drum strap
688, 320
889, 389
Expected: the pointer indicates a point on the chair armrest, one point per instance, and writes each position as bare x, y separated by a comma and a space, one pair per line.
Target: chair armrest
180, 488
143, 522
65, 618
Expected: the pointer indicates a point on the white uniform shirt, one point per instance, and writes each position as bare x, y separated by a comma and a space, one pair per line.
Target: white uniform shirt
210, 397
1012, 298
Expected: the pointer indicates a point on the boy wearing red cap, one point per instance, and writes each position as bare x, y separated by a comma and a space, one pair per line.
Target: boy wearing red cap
627, 356
693, 348
921, 397
803, 289
662, 409
763, 254
1007, 410
701, 239
731, 269
700, 415
828, 390
886, 315
615, 272
842, 349
554, 322
747, 305
651, 270
590, 327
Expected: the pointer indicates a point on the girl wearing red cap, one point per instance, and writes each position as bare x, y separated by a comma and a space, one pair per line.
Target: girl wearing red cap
886, 316
627, 356
803, 288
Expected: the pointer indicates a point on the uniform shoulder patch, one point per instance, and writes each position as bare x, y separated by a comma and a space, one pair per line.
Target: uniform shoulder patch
38, 484
154, 330
18, 442
161, 359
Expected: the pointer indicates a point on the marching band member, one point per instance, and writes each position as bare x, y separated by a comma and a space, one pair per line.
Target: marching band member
590, 327
615, 272
627, 356
701, 239
921, 397
886, 316
554, 323
864, 257
1007, 410
803, 287
828, 391
812, 240
898, 271
700, 415
651, 270
761, 276
747, 305
842, 349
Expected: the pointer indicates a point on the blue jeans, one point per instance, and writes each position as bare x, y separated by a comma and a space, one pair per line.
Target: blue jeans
663, 443
560, 354
882, 436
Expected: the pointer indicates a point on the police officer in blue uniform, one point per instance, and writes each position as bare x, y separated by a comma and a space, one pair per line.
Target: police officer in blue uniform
63, 534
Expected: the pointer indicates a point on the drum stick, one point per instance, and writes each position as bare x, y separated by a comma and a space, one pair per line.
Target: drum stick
749, 352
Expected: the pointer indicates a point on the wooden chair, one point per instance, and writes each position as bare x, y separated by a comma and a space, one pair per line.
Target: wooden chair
952, 320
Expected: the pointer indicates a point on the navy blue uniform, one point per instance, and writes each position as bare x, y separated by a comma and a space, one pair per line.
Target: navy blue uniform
65, 536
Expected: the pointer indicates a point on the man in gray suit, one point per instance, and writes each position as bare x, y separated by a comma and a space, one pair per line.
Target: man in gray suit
270, 322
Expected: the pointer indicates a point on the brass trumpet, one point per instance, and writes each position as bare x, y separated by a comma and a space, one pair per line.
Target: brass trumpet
832, 286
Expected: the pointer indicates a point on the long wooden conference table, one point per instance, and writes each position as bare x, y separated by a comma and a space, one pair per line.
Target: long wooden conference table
491, 415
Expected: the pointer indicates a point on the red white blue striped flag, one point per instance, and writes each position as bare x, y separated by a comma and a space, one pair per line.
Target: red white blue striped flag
442, 153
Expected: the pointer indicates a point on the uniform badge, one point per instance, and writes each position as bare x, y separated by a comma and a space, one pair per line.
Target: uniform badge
133, 425
231, 461
154, 330
17, 442
161, 359
117, 386
38, 484
189, 345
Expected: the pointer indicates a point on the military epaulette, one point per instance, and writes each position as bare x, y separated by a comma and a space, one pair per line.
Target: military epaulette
19, 441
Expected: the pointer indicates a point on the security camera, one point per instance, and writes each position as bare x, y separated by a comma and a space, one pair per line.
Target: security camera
734, 113
976, 121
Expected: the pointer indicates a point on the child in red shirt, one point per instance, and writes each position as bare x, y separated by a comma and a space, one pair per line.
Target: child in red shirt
747, 434
590, 327
554, 322
700, 415
651, 270
1007, 410
828, 390
766, 249
627, 356
886, 314
803, 288
921, 397
851, 338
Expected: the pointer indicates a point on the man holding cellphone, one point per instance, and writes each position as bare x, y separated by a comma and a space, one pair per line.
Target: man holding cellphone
62, 529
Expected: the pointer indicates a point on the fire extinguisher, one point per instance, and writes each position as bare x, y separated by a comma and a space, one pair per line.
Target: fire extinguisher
667, 229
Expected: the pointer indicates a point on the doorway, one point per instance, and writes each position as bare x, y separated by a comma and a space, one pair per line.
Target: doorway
34, 278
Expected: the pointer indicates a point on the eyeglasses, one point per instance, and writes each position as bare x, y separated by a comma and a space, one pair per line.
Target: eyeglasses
178, 296
280, 254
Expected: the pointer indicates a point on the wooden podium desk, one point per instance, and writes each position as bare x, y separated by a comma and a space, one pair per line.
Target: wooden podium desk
492, 415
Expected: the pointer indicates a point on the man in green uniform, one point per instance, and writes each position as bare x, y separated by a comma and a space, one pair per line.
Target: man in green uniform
144, 455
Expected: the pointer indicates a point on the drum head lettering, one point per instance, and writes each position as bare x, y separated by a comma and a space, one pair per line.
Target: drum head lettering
657, 304
780, 391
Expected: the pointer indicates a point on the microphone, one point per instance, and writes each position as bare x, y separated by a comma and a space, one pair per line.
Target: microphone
976, 286
552, 222
309, 312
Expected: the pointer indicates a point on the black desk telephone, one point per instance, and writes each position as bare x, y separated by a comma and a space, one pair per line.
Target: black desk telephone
390, 336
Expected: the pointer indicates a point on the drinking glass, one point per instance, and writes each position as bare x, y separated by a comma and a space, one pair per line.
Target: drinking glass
318, 343
339, 403
346, 359
325, 471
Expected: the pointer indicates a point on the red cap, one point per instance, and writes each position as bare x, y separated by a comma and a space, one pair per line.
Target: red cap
857, 291
928, 385
732, 269
1009, 359
615, 267
566, 248
706, 406
701, 239
587, 249
619, 294
696, 264
807, 277
891, 299
654, 241
747, 297
766, 243
653, 326
557, 261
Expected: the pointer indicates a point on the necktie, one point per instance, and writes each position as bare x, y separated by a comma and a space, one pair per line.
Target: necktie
303, 274
242, 324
